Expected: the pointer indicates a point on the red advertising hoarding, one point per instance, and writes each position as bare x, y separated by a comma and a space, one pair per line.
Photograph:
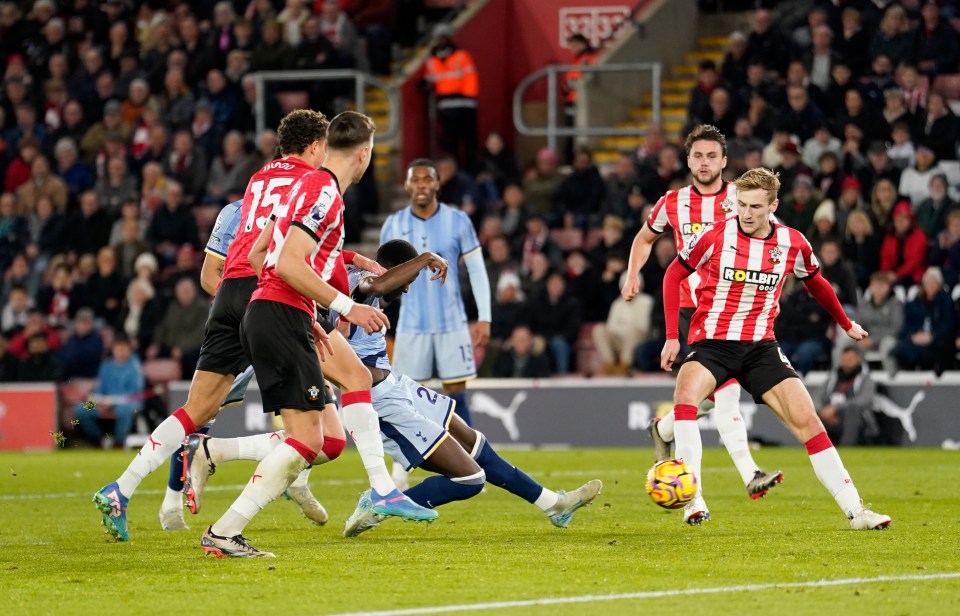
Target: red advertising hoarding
28, 416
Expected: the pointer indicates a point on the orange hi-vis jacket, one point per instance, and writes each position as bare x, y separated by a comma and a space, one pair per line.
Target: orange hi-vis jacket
454, 79
573, 77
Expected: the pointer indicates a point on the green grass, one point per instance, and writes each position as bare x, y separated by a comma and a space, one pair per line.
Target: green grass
54, 557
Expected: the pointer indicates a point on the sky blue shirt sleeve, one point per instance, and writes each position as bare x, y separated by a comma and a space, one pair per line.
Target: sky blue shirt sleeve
467, 235
225, 230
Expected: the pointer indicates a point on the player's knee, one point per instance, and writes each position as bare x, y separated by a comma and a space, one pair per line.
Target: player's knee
333, 447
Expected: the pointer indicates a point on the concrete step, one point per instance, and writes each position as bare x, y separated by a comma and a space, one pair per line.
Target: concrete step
699, 56
666, 113
678, 84
669, 99
713, 41
684, 70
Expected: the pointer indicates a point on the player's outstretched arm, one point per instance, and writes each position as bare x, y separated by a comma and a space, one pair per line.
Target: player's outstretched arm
639, 253
293, 268
823, 292
403, 274
259, 251
365, 263
210, 273
674, 275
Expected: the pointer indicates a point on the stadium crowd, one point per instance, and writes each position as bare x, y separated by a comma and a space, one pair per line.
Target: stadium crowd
125, 126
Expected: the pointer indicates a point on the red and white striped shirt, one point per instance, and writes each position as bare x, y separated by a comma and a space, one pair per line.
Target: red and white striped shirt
742, 277
314, 204
686, 211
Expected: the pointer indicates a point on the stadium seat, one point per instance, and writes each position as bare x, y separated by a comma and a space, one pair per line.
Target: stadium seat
948, 85
290, 101
588, 361
567, 239
158, 371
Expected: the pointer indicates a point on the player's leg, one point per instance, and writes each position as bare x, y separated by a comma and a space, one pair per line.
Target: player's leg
661, 429
694, 383
334, 441
272, 476
455, 366
733, 435
559, 506
413, 356
791, 401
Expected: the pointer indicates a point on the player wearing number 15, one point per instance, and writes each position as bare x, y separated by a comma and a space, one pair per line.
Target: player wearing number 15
302, 135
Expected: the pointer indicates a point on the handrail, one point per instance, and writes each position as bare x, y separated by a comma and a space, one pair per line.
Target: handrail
360, 79
552, 131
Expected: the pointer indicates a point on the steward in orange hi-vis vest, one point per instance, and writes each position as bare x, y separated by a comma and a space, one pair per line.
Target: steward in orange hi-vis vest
453, 76
583, 54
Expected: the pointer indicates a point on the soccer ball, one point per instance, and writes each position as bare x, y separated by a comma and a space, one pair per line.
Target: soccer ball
670, 484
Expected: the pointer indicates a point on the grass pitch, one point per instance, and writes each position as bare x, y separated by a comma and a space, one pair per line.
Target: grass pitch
54, 557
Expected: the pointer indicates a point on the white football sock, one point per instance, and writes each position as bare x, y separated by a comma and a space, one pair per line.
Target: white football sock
274, 474
733, 430
163, 441
173, 499
666, 426
689, 447
304, 477
362, 424
835, 478
546, 500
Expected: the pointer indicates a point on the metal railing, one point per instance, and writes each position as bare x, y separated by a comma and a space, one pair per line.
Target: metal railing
553, 131
360, 79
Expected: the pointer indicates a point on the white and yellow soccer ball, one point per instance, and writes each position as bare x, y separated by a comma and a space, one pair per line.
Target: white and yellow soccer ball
671, 484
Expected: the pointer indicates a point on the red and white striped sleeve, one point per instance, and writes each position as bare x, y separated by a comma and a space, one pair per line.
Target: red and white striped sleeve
658, 221
806, 264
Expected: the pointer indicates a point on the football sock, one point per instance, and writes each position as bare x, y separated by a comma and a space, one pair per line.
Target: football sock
362, 423
688, 443
331, 450
175, 478
273, 475
173, 499
733, 430
831, 473
162, 443
255, 447
666, 426
505, 475
435, 490
462, 409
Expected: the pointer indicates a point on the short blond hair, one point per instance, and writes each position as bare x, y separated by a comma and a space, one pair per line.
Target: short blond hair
759, 178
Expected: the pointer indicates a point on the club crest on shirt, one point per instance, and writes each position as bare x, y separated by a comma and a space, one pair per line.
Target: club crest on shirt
727, 205
775, 255
313, 392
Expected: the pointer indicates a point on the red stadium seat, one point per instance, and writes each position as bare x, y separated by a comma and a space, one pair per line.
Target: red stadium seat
290, 101
588, 361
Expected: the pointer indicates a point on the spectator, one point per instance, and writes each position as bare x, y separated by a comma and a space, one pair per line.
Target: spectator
180, 333
315, 51
742, 141
510, 311
612, 240
915, 181
292, 18
852, 40
337, 26
106, 287
797, 208
656, 176
187, 165
846, 408
735, 62
542, 183
914, 93
59, 300
522, 357
222, 98
120, 376
45, 231
73, 126
927, 336
585, 284
556, 317
861, 247
802, 329
141, 313
932, 211
765, 42
173, 224
821, 142
708, 80
849, 201
534, 281
227, 181
129, 246
497, 166
9, 364
802, 36
177, 100
841, 80
76, 175
452, 74
945, 249
824, 225
89, 228
499, 261
903, 253
839, 273
937, 128
882, 203
882, 313
537, 240
820, 59
42, 182
720, 111
934, 43
13, 230
902, 151
626, 326
801, 114
514, 213
790, 166
581, 192
272, 54
829, 179
116, 187
152, 189
41, 364
207, 134
879, 167
893, 38
95, 138
15, 311
458, 188
83, 351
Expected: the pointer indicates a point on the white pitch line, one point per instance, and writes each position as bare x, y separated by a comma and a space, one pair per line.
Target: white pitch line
227, 488
654, 594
